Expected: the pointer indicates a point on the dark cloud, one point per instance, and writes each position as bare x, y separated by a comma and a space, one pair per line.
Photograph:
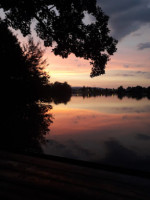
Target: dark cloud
130, 109
69, 149
143, 137
79, 150
126, 16
118, 6
141, 72
128, 117
142, 46
126, 66
127, 74
79, 118
119, 155
145, 74
138, 65
125, 117
133, 73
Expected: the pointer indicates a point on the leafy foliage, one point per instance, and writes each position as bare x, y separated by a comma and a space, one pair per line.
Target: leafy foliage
37, 78
62, 22
25, 122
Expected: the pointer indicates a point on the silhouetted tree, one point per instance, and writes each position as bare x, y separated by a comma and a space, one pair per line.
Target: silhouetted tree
62, 22
12, 64
37, 79
23, 69
24, 122
61, 92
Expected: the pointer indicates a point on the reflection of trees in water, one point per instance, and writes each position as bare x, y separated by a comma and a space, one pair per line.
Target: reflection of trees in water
65, 99
61, 92
25, 127
137, 92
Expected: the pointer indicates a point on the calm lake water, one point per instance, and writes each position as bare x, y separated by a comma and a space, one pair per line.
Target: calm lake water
102, 129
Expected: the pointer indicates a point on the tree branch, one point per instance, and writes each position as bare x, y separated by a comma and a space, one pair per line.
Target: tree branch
42, 24
52, 7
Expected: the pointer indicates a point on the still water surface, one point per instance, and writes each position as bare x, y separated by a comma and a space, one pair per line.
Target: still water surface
102, 129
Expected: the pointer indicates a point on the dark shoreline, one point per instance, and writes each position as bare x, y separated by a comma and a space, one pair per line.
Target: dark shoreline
48, 177
86, 164
137, 92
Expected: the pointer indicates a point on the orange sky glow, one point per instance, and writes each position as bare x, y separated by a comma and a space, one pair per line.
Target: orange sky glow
98, 115
129, 66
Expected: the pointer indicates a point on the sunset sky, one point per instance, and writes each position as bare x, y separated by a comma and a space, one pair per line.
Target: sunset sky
130, 66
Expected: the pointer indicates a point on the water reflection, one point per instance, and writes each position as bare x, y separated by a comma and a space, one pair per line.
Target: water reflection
120, 155
137, 92
25, 127
102, 129
99, 129
26, 123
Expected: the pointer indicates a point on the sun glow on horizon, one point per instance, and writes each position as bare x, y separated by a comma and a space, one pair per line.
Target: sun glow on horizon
129, 66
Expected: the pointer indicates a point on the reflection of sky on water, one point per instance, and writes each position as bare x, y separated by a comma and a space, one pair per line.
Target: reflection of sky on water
102, 129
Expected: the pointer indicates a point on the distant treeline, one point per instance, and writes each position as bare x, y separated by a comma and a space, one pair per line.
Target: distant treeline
57, 92
137, 92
